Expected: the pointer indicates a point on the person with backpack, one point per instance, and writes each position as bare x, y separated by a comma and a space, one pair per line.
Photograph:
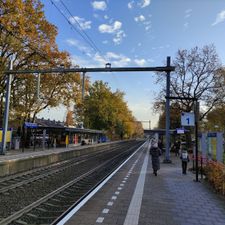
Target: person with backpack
155, 152
184, 159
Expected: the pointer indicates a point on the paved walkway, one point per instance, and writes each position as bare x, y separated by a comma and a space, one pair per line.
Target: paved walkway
171, 198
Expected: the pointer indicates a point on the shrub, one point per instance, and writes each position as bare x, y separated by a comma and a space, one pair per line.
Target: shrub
215, 174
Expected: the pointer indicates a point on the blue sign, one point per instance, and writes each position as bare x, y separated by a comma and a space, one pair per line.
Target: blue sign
30, 125
180, 130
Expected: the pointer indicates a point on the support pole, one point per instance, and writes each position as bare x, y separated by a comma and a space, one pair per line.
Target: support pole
6, 113
167, 156
83, 86
196, 138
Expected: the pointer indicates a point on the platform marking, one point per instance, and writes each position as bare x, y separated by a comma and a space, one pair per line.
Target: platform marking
119, 188
124, 181
76, 208
114, 197
100, 220
110, 203
133, 213
121, 185
117, 193
105, 211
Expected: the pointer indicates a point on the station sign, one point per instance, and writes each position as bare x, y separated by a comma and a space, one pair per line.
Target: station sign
180, 130
187, 119
30, 125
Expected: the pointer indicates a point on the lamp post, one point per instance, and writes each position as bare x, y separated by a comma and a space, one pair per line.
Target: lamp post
6, 113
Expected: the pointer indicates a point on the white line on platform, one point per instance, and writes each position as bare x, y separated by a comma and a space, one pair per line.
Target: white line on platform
100, 220
109, 203
114, 197
75, 209
133, 213
105, 211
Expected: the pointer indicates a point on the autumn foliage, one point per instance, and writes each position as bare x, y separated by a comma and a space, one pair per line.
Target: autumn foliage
31, 39
215, 174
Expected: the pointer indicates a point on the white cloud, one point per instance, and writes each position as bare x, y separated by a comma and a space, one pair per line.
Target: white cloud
219, 18
140, 18
99, 5
130, 5
81, 21
106, 17
81, 47
105, 28
96, 60
119, 37
116, 60
188, 13
186, 25
114, 29
140, 62
145, 3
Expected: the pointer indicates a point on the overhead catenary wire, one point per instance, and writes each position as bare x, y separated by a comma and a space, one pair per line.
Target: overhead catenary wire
81, 32
81, 28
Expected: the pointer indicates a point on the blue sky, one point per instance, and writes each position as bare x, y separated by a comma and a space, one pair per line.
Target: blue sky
134, 33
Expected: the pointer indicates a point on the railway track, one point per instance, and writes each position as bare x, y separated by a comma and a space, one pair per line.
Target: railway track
47, 208
15, 181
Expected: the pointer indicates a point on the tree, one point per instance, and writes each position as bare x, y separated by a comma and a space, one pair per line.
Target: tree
215, 119
175, 114
107, 110
26, 34
197, 75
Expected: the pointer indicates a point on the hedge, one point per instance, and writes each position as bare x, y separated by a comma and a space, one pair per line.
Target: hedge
215, 174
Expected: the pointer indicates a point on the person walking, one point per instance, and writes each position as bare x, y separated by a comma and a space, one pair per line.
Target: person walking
155, 152
184, 159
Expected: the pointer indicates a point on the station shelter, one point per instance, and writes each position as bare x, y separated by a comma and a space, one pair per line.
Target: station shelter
45, 133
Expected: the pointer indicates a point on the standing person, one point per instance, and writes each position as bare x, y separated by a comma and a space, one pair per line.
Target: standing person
155, 152
184, 159
177, 148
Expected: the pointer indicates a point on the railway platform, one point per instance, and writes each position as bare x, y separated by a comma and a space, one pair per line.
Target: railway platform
135, 196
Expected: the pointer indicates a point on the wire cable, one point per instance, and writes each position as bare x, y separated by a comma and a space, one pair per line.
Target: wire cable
74, 28
77, 22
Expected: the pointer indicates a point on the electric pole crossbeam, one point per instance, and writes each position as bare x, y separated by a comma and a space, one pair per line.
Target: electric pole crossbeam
91, 70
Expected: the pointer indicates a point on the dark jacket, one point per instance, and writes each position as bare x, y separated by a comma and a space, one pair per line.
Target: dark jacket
155, 152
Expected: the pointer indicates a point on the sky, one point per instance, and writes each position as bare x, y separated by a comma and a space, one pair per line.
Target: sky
129, 33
